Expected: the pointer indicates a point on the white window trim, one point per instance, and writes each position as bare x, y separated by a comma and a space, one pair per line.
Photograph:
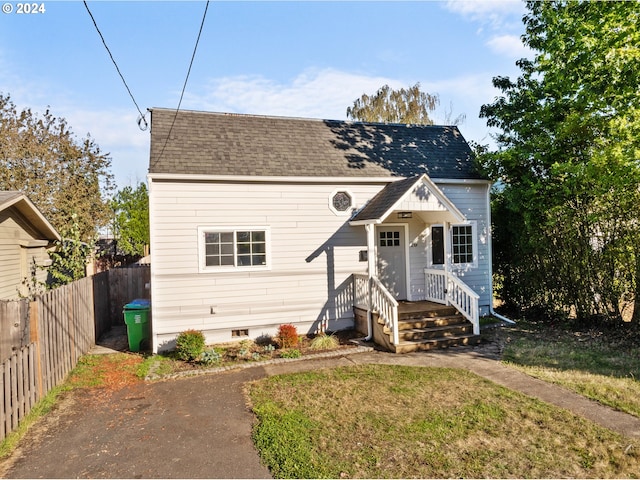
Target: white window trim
349, 210
474, 245
448, 252
202, 266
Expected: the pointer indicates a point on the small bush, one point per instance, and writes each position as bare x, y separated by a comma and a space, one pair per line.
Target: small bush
293, 353
210, 357
324, 342
190, 345
245, 349
264, 340
287, 336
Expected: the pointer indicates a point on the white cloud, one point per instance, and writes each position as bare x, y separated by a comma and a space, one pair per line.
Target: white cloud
484, 8
314, 93
509, 46
496, 13
108, 127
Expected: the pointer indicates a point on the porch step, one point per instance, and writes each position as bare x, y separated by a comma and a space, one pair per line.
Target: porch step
428, 325
435, 332
436, 343
431, 322
420, 310
425, 325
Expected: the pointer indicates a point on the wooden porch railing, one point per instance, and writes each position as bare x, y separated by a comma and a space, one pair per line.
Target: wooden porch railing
374, 296
456, 293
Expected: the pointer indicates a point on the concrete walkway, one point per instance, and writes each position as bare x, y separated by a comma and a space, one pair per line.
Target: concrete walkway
200, 427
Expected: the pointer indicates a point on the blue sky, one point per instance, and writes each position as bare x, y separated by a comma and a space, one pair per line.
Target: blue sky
301, 59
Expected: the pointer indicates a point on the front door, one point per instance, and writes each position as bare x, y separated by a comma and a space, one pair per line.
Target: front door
392, 270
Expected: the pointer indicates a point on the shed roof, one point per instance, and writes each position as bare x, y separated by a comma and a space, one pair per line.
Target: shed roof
208, 143
28, 210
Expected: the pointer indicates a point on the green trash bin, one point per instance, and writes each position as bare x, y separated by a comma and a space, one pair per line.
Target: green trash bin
136, 316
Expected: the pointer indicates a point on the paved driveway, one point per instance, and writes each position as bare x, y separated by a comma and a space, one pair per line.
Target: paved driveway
196, 427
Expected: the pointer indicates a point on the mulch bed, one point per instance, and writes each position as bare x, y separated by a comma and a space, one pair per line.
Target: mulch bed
249, 351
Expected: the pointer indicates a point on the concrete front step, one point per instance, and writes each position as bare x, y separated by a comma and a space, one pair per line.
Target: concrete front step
435, 343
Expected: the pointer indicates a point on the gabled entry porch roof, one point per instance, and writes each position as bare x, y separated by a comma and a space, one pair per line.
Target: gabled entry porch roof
414, 194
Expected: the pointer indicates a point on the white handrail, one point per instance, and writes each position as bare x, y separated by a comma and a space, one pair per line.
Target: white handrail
435, 283
456, 293
387, 307
375, 297
361, 290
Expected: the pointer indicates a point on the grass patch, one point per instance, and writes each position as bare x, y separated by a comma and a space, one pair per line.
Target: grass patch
601, 365
382, 421
105, 371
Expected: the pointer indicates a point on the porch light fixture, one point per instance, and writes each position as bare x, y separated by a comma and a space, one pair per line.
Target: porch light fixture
405, 214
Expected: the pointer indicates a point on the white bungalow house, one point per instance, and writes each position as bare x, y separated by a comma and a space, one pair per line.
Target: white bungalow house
259, 221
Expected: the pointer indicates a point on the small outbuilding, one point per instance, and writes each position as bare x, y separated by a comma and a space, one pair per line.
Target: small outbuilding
26, 237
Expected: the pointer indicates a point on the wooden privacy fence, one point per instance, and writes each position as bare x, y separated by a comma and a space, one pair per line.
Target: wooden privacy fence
42, 340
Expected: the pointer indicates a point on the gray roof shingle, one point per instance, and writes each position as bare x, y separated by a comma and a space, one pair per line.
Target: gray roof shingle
385, 199
233, 144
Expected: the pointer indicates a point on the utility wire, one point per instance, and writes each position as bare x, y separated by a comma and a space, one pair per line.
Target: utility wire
184, 87
95, 24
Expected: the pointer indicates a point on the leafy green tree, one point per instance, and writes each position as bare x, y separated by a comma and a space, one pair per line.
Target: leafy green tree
567, 223
70, 257
131, 219
40, 156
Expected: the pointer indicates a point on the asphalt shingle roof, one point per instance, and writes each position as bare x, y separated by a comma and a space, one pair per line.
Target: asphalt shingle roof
232, 144
385, 199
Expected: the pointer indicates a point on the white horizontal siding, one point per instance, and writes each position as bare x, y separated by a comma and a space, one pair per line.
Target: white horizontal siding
313, 254
16, 259
471, 200
10, 271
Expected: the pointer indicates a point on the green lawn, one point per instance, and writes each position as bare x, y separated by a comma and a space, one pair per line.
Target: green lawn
601, 365
381, 421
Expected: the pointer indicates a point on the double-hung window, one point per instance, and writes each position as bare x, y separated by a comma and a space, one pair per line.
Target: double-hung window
224, 249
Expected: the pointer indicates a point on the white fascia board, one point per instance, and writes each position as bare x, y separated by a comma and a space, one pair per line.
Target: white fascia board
266, 179
377, 221
461, 181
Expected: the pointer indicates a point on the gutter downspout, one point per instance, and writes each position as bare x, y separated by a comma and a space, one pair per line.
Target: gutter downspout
491, 310
371, 238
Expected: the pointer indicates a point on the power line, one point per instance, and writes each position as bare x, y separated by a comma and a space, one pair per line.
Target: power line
95, 24
184, 87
